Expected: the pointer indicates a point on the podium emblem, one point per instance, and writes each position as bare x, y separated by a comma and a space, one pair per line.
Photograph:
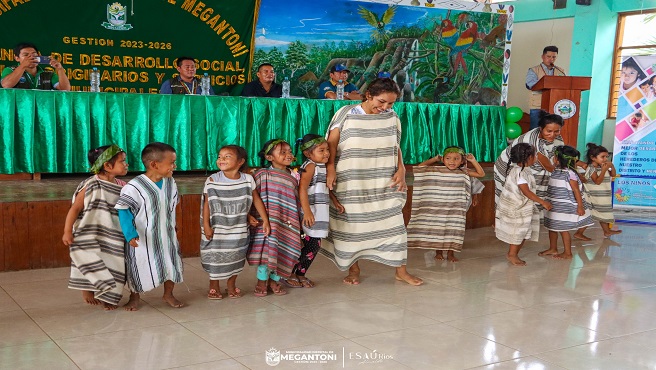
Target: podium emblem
565, 108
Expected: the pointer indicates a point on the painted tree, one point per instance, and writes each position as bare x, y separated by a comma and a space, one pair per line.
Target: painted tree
277, 59
296, 57
259, 57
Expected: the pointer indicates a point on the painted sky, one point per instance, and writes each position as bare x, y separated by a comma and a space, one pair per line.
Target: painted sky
321, 21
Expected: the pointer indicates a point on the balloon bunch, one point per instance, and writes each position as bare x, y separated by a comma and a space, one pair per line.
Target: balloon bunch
513, 130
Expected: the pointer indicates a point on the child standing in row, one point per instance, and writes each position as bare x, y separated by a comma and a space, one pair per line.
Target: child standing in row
147, 214
277, 254
598, 187
569, 209
92, 230
226, 201
517, 217
440, 200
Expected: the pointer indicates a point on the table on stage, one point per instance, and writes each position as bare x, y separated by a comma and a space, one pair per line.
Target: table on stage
51, 131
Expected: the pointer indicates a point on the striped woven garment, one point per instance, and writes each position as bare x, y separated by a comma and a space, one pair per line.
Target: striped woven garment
541, 175
517, 218
367, 157
229, 202
97, 253
157, 258
562, 216
600, 196
280, 250
440, 199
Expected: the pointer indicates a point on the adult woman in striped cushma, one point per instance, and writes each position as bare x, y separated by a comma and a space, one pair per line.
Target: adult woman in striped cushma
365, 171
544, 138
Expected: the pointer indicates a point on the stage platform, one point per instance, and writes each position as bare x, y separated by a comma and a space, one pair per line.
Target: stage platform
32, 215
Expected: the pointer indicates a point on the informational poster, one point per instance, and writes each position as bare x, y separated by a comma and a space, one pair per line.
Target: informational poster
635, 133
134, 44
436, 51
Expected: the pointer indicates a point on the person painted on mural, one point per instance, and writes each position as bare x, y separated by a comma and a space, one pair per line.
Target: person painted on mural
30, 74
265, 85
186, 81
328, 89
546, 68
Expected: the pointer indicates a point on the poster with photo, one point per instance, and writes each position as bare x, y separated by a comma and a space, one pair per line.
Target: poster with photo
635, 129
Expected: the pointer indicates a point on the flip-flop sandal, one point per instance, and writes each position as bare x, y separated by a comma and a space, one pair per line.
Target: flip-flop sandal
260, 293
290, 285
307, 283
214, 295
279, 291
235, 295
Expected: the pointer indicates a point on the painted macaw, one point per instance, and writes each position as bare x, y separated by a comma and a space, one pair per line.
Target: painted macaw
464, 42
449, 33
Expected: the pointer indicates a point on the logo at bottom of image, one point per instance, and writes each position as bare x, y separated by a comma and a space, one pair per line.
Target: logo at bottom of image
274, 357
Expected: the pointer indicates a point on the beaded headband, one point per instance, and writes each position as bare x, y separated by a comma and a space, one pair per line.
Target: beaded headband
105, 156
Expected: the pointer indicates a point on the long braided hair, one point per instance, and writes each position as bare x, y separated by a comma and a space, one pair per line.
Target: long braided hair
520, 154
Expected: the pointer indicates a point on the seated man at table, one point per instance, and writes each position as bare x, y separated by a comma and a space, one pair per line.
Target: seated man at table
264, 86
328, 89
31, 74
186, 81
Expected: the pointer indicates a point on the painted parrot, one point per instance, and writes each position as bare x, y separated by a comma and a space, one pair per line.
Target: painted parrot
379, 34
464, 42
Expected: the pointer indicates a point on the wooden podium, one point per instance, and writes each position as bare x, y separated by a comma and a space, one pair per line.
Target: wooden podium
562, 95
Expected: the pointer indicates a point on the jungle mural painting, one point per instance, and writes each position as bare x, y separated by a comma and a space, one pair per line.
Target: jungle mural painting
437, 51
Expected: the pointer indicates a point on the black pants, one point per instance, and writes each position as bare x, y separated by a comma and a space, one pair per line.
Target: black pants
308, 253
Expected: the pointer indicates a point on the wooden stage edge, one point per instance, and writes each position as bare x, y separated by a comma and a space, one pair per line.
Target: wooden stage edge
32, 224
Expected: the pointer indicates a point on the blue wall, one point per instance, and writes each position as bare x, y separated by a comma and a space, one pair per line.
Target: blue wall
592, 50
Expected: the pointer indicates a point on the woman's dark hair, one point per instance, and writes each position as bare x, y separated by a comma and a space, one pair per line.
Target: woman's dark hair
519, 154
547, 118
93, 155
267, 149
631, 63
240, 153
567, 156
381, 86
593, 151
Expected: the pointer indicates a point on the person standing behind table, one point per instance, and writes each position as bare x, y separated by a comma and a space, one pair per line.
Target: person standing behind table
186, 82
28, 74
328, 89
264, 86
534, 74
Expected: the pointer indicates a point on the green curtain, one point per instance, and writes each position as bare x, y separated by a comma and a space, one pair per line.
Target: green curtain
51, 131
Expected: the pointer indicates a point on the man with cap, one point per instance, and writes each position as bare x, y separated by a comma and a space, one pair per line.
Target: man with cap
328, 89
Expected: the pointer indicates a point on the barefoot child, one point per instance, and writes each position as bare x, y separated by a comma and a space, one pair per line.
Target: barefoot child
146, 210
276, 254
517, 217
92, 230
226, 200
598, 187
440, 199
569, 209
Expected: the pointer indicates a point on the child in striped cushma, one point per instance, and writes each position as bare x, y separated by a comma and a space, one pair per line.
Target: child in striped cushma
226, 201
569, 209
92, 230
146, 211
276, 254
440, 201
517, 217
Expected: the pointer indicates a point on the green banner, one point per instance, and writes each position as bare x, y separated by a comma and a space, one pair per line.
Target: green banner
134, 43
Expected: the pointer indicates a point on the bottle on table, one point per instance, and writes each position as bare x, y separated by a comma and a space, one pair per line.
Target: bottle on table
205, 84
285, 88
340, 90
94, 79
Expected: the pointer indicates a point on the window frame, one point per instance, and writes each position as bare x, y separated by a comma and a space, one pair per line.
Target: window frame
617, 60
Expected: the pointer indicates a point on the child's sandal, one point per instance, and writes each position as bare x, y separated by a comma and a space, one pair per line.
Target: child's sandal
213, 294
259, 292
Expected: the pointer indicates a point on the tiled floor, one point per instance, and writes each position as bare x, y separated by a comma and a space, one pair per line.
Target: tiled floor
596, 311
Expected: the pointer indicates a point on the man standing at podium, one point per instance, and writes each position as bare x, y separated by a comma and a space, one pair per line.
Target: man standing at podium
534, 74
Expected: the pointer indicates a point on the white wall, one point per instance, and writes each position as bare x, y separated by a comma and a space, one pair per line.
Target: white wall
529, 38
